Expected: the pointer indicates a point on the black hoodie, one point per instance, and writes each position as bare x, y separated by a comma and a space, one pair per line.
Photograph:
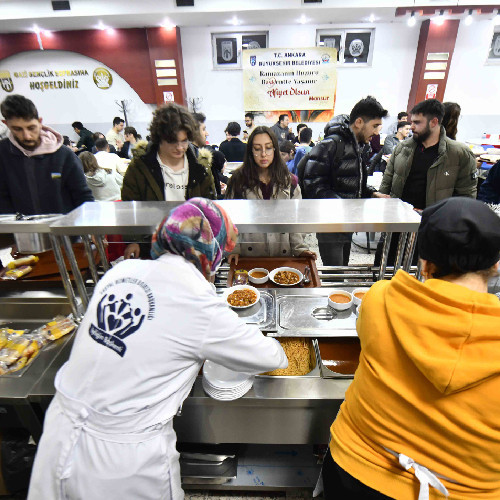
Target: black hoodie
334, 168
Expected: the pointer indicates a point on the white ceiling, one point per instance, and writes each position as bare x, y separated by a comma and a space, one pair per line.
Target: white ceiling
21, 15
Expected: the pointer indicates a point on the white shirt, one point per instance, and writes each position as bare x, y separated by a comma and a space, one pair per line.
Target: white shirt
175, 321
110, 161
175, 181
113, 136
104, 186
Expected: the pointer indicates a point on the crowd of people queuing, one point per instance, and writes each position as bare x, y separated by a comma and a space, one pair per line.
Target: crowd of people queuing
422, 411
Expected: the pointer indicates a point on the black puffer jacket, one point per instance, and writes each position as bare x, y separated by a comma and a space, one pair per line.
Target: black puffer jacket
335, 168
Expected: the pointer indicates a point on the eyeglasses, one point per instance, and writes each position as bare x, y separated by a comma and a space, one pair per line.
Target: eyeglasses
182, 144
267, 151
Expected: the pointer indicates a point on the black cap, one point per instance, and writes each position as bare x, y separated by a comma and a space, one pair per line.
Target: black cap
459, 235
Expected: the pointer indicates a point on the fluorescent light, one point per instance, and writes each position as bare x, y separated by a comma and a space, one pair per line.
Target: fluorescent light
412, 20
439, 20
469, 19
167, 24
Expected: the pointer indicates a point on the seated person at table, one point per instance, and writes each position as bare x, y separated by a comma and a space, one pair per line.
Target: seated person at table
423, 406
489, 192
104, 183
264, 176
168, 171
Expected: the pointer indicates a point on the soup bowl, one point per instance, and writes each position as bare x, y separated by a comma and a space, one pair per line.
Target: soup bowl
340, 300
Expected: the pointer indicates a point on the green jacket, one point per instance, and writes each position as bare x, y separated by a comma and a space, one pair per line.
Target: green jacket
452, 174
143, 180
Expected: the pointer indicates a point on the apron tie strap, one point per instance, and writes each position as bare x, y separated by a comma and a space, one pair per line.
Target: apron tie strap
423, 474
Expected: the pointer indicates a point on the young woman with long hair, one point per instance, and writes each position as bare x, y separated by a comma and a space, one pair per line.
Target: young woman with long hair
264, 176
102, 182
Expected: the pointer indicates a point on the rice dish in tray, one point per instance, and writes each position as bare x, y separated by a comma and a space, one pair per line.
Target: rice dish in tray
298, 352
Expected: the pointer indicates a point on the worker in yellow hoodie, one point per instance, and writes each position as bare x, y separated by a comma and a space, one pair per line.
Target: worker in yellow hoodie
422, 416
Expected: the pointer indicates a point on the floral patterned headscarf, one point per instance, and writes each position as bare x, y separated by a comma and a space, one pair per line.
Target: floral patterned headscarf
200, 231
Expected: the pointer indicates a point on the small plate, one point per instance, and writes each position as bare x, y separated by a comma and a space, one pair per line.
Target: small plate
229, 291
292, 269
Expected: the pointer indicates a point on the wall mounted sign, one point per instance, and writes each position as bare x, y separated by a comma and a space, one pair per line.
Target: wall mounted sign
67, 86
494, 53
227, 47
355, 46
431, 92
298, 79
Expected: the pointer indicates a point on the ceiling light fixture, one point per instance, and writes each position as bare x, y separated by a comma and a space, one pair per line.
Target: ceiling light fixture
469, 19
47, 33
101, 26
303, 19
372, 18
439, 20
412, 20
110, 31
234, 21
36, 29
167, 24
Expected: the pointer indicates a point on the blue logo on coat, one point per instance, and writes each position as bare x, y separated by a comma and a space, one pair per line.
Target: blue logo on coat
117, 318
253, 60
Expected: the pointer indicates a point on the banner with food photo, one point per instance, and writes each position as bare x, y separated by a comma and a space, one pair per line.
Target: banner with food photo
292, 79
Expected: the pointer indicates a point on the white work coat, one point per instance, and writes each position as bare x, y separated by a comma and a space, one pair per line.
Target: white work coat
147, 331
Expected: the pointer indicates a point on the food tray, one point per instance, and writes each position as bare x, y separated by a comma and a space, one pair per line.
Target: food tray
46, 268
338, 357
270, 263
261, 314
310, 316
315, 372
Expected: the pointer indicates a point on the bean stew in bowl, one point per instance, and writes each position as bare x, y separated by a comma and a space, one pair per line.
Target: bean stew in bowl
286, 276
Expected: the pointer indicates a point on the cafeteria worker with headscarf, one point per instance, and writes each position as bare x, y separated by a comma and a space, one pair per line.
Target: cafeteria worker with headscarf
148, 329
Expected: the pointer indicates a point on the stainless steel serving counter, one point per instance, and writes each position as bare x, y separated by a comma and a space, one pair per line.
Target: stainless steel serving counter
277, 410
274, 216
21, 311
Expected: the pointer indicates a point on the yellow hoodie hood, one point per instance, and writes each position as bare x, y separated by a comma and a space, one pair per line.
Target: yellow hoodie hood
457, 342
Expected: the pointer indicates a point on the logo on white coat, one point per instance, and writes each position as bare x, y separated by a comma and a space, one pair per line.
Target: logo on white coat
121, 313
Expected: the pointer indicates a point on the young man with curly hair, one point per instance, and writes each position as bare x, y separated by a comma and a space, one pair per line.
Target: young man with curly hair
168, 170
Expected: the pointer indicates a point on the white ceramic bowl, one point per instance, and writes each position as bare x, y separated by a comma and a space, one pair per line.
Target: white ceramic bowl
229, 291
292, 269
356, 300
258, 281
338, 306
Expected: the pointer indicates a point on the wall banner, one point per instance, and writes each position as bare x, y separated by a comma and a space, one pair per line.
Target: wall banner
277, 79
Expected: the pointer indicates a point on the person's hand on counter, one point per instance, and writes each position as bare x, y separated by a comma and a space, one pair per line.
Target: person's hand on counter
233, 257
308, 253
132, 251
378, 194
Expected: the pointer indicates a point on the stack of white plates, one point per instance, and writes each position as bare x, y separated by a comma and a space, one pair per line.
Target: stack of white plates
224, 384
